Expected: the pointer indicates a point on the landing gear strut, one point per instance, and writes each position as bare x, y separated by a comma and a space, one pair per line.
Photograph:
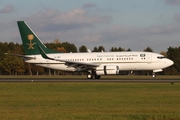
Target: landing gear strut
154, 75
97, 76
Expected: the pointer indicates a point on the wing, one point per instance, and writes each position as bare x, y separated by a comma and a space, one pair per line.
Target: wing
79, 66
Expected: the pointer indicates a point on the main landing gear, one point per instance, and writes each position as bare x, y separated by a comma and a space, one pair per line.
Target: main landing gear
90, 75
153, 75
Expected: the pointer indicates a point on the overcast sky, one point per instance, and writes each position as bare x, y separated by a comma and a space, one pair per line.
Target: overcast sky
134, 24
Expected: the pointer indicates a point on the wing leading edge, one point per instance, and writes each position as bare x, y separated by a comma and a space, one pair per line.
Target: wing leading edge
79, 66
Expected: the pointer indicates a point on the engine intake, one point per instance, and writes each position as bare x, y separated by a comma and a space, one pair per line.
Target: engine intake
107, 70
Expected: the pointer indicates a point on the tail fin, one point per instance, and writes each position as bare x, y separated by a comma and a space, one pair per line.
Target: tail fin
30, 40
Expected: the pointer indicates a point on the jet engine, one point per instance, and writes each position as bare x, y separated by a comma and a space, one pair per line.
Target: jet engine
107, 70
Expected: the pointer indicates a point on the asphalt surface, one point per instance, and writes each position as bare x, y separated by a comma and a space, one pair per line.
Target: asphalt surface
88, 80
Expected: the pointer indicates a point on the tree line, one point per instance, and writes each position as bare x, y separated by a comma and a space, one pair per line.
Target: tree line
13, 65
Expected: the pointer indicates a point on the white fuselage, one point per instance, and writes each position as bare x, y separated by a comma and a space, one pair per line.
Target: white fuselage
125, 60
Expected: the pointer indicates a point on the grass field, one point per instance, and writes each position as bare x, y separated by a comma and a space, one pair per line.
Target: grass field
89, 101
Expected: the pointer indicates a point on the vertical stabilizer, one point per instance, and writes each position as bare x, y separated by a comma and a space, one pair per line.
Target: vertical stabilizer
30, 40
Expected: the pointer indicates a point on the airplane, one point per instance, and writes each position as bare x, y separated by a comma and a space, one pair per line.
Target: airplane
95, 64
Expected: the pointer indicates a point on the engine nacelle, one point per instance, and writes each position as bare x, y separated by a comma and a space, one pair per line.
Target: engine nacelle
107, 70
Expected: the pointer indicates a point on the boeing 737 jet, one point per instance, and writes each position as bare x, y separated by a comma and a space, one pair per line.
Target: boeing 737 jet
94, 63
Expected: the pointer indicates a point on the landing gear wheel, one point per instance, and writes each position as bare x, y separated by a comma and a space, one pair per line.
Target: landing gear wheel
97, 76
154, 75
89, 76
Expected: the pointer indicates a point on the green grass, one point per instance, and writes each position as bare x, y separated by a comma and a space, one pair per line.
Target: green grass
90, 101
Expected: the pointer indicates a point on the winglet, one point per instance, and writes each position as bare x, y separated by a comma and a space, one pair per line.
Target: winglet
43, 54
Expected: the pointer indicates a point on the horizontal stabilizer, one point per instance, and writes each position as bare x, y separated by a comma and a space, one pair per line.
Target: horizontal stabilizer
18, 55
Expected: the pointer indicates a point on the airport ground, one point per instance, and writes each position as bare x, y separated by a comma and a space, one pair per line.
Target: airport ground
83, 77
79, 100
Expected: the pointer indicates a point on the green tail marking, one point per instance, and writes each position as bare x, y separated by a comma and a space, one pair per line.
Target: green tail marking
31, 41
43, 54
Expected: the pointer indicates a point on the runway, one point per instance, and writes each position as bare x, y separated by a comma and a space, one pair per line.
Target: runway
90, 80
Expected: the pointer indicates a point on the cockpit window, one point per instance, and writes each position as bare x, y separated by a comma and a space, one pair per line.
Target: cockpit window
161, 57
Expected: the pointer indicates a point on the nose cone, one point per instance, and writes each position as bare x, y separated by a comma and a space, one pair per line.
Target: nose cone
169, 62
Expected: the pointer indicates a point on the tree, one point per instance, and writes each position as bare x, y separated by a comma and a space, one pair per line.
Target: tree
61, 49
113, 49
128, 49
121, 49
7, 64
11, 46
69, 47
148, 49
52, 46
101, 48
173, 53
163, 53
3, 49
19, 67
34, 69
117, 49
95, 49
13, 65
83, 48
57, 41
